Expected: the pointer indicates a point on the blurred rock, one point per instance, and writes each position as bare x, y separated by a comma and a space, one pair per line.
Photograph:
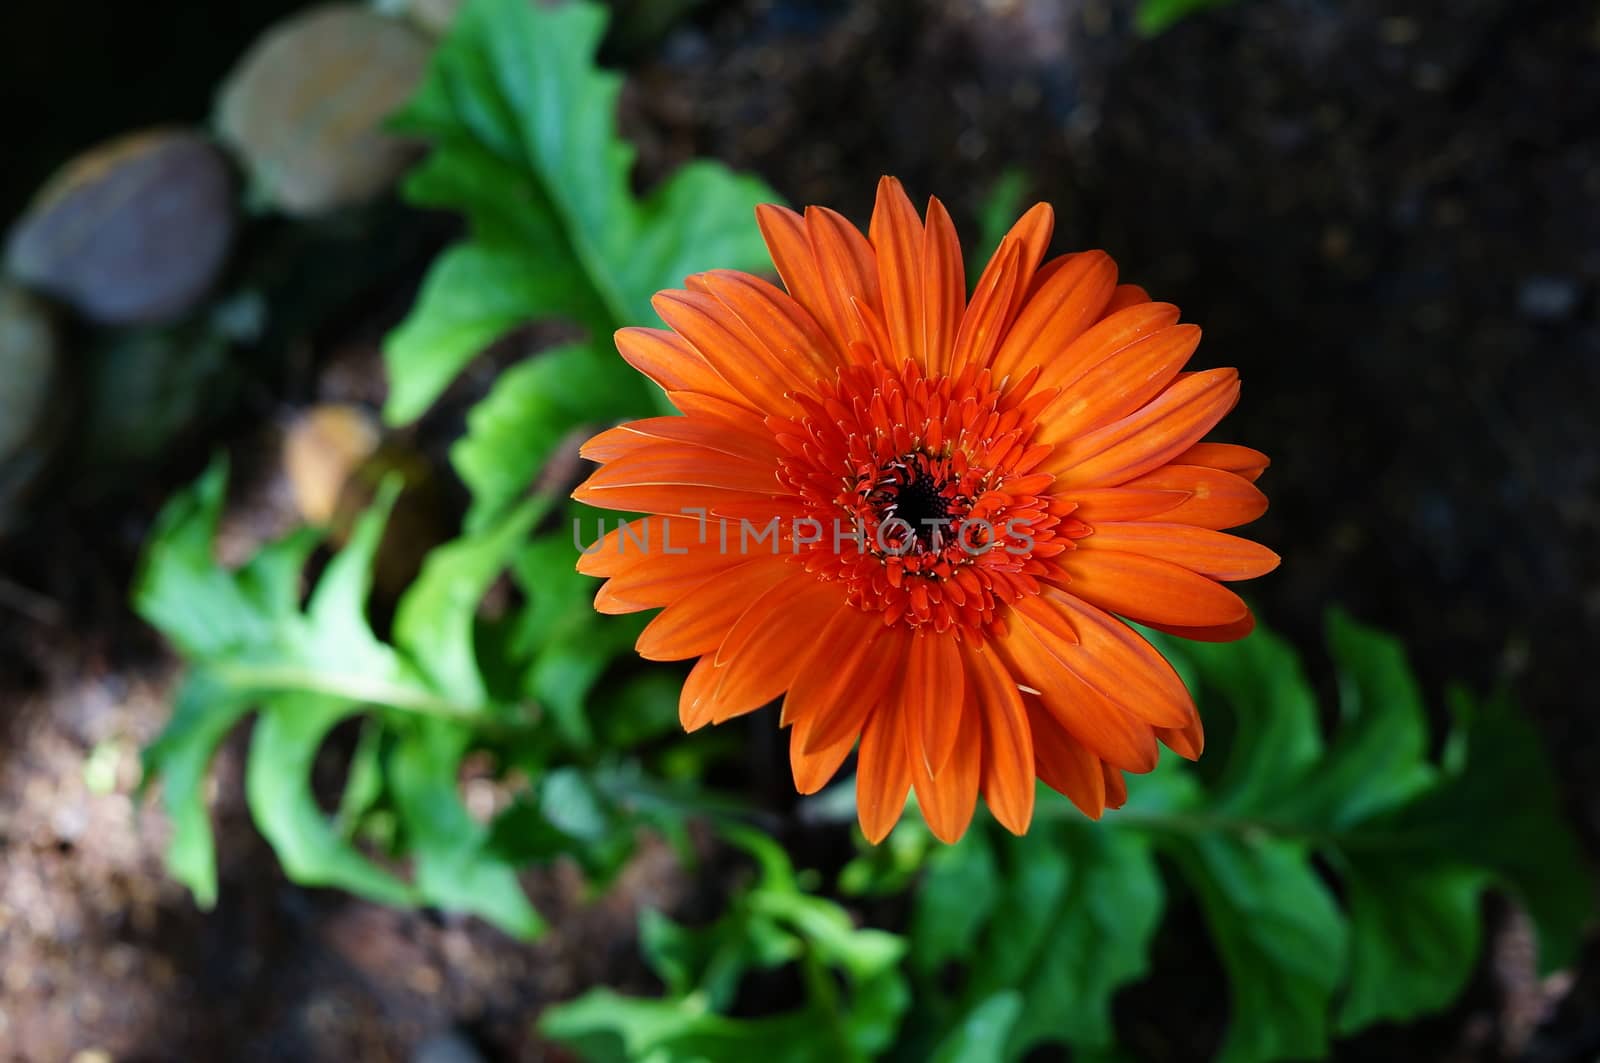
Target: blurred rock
30, 393
322, 451
1549, 298
306, 105
434, 16
136, 231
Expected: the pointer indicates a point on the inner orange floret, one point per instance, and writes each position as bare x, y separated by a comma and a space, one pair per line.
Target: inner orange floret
923, 494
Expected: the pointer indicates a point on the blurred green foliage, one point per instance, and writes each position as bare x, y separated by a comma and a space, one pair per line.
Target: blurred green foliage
1340, 874
1153, 16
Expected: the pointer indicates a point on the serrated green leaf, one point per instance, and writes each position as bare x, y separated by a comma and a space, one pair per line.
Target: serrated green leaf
531, 409
523, 124
289, 730
982, 1036
456, 868
1154, 16
1281, 938
204, 713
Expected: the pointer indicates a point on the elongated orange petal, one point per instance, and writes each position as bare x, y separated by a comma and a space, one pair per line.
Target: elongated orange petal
1188, 742
850, 269
789, 241
896, 235
1118, 663
697, 623
1008, 771
1064, 765
883, 774
933, 695
1214, 499
673, 363
1094, 505
1149, 590
845, 675
728, 347
1126, 295
1148, 438
1229, 457
1035, 655
984, 322
1065, 305
1120, 384
944, 287
948, 799
1116, 786
780, 324
1210, 553
684, 465
694, 700
1233, 632
702, 431
813, 770
1113, 333
757, 662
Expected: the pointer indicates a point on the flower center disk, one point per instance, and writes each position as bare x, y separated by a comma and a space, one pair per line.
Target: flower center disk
923, 491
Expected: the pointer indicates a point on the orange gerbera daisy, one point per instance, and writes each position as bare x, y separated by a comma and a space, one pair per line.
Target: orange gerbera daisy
918, 517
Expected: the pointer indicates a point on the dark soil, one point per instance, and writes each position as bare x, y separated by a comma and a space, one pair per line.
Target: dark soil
1386, 215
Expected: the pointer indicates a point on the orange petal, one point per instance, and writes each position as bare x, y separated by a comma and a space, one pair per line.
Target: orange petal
1188, 742
1008, 770
684, 465
1105, 338
1058, 313
944, 287
933, 694
673, 363
757, 662
1214, 499
896, 235
698, 622
784, 327
701, 431
1215, 633
790, 245
849, 268
846, 673
1210, 553
1064, 765
1148, 438
883, 774
813, 770
1097, 504
948, 800
1126, 295
1113, 659
1116, 786
983, 325
694, 701
1035, 653
1229, 457
1032, 234
1120, 384
728, 347
1149, 590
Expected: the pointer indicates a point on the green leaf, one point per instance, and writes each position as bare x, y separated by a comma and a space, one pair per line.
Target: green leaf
1340, 880
531, 409
981, 1036
456, 868
252, 647
773, 922
1154, 16
523, 124
289, 731
1281, 938
1062, 916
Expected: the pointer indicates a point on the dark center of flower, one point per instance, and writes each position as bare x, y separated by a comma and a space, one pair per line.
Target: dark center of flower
917, 502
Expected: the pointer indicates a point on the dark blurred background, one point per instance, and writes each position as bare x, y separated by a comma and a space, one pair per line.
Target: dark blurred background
1387, 215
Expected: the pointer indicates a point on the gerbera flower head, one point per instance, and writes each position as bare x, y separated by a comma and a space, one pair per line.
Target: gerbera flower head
923, 518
